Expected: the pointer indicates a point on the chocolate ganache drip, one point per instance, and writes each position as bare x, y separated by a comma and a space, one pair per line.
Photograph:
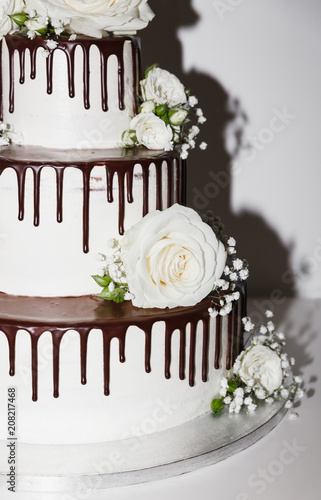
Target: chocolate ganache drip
111, 46
120, 163
59, 315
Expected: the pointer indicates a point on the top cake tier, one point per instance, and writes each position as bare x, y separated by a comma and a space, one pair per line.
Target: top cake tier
81, 94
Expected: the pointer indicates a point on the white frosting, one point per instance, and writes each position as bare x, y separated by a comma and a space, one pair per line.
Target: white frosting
48, 260
139, 403
58, 121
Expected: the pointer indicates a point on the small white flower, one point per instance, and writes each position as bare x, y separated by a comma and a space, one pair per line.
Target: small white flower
231, 242
263, 330
274, 346
31, 34
293, 416
192, 101
226, 309
297, 379
203, 146
252, 408
244, 274
72, 37
269, 314
281, 336
128, 296
239, 392
237, 264
292, 361
248, 401
32, 13
51, 44
193, 132
202, 120
227, 400
231, 250
271, 326
260, 393
212, 312
233, 277
227, 271
284, 393
111, 287
269, 400
285, 364
199, 112
300, 393
288, 404
248, 326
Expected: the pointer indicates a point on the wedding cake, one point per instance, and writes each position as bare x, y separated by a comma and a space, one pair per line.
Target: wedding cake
93, 185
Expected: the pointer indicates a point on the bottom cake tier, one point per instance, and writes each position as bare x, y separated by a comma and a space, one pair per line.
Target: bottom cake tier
115, 371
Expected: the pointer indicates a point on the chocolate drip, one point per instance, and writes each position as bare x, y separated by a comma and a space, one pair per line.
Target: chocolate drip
113, 320
229, 341
84, 334
217, 342
56, 341
107, 48
123, 167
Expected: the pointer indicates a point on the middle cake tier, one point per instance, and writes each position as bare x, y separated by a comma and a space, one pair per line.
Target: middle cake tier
62, 208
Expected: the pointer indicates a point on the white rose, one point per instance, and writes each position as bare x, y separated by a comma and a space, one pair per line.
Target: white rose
152, 132
261, 364
172, 258
8, 7
163, 87
93, 17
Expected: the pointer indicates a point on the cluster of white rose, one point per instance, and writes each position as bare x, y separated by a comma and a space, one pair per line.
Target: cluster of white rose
8, 136
260, 372
235, 271
165, 111
93, 18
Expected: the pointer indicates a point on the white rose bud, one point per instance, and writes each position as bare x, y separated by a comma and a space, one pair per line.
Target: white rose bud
177, 116
147, 107
129, 138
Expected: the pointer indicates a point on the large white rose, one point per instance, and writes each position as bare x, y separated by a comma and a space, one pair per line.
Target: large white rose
172, 258
163, 87
8, 7
93, 17
263, 365
152, 132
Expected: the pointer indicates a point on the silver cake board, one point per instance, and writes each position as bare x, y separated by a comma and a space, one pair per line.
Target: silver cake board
88, 467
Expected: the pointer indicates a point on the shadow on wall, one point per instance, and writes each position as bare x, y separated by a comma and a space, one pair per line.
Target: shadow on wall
209, 185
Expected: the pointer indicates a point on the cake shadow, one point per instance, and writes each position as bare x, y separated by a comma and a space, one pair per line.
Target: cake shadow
209, 172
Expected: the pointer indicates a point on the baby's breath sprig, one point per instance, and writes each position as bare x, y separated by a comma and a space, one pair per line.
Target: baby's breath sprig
225, 291
260, 372
112, 276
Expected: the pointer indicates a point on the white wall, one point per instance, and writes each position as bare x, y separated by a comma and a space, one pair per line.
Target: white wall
264, 57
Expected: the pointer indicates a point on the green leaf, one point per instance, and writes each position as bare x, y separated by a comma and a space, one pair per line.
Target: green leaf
42, 31
19, 18
161, 110
102, 280
118, 295
217, 405
105, 294
232, 385
150, 69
